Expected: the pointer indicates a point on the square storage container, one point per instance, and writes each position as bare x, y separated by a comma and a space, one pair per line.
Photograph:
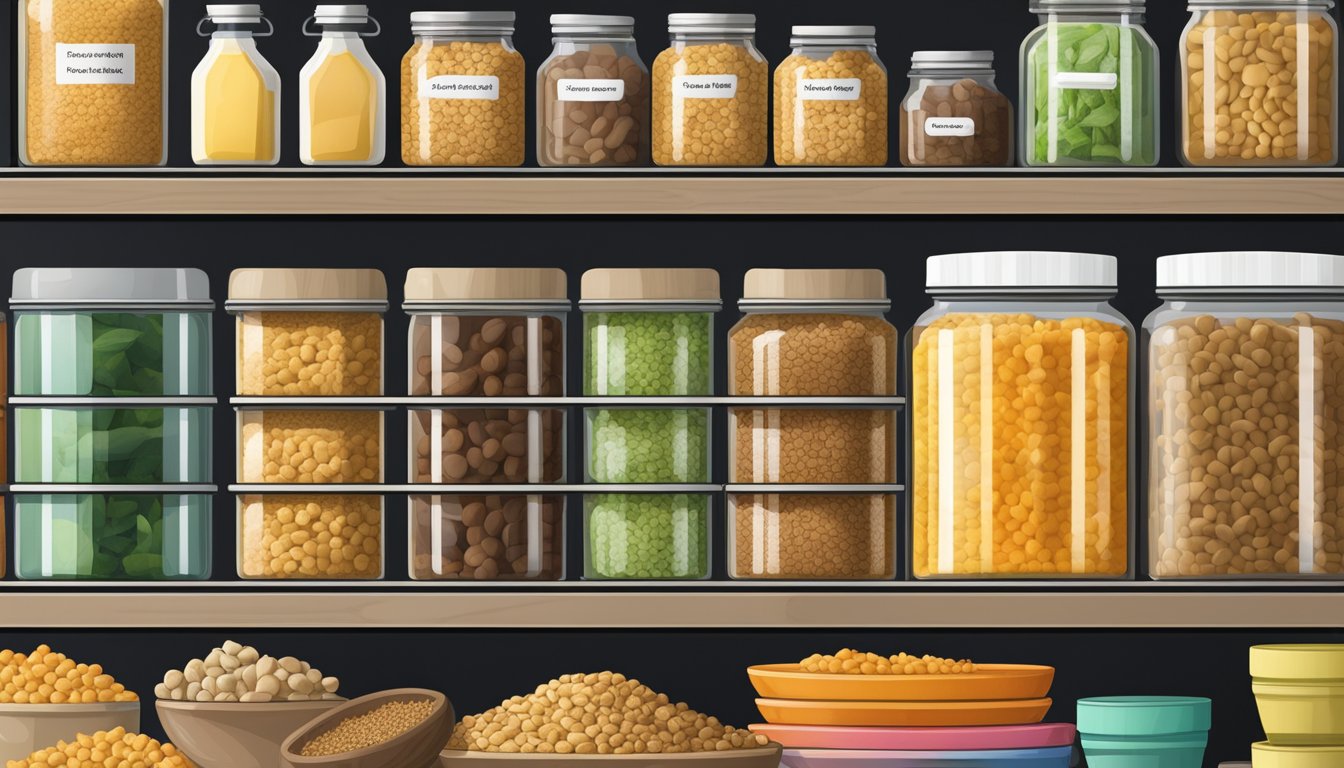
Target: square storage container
310, 536
487, 537
309, 332
103, 535
812, 445
113, 445
310, 445
508, 446
657, 536
827, 534
648, 445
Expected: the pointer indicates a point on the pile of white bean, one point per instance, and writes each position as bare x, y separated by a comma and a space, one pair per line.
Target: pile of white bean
235, 672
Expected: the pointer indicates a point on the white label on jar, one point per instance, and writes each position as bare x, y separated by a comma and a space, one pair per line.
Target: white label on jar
483, 87
576, 89
95, 64
949, 126
705, 86
1086, 81
830, 89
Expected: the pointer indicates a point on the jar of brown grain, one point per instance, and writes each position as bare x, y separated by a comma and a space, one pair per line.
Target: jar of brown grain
954, 113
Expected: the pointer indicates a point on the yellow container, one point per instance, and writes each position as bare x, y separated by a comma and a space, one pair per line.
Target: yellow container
1299, 690
1265, 755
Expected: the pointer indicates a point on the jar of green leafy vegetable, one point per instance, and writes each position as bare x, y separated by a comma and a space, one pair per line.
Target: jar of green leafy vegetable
104, 332
112, 444
1089, 86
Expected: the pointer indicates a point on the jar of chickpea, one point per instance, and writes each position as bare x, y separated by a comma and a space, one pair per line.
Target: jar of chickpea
1020, 411
831, 99
310, 536
463, 91
1258, 80
710, 93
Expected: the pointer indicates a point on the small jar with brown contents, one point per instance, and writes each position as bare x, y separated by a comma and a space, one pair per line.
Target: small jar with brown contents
463, 91
954, 114
831, 100
824, 534
711, 93
593, 94
309, 332
310, 536
1246, 416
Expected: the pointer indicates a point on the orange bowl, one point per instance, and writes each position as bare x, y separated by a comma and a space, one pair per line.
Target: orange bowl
904, 714
989, 682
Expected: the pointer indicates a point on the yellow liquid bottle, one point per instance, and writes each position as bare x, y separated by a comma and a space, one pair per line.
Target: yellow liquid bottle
342, 94
234, 97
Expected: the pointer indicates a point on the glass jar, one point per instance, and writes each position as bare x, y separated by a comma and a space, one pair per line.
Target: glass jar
1089, 85
646, 535
648, 445
105, 332
593, 94
108, 536
319, 446
1258, 82
125, 445
93, 82
954, 114
235, 92
711, 93
310, 536
463, 91
487, 332
508, 537
309, 332
831, 99
1245, 409
342, 92
811, 445
1020, 414
487, 445
824, 535
649, 332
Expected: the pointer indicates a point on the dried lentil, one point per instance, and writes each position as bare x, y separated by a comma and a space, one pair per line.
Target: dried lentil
308, 354
793, 445
235, 672
310, 537
828, 131
377, 726
851, 662
462, 131
648, 354
506, 356
311, 446
710, 131
806, 536
647, 536
47, 677
822, 355
106, 749
495, 446
487, 537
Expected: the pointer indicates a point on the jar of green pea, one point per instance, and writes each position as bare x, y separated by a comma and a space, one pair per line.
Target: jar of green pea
651, 535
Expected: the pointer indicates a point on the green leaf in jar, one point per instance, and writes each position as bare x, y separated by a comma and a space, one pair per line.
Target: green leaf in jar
1101, 117
144, 534
143, 565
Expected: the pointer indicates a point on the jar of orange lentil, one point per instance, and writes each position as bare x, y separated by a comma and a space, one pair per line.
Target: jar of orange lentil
1020, 413
463, 91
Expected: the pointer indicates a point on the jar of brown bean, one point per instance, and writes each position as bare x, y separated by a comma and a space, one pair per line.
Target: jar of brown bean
463, 91
488, 537
1246, 416
954, 113
593, 94
812, 536
711, 93
309, 332
487, 445
831, 100
487, 332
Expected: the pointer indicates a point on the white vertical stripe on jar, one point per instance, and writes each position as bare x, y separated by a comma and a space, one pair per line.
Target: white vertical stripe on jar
877, 536
1105, 466
436, 358
435, 446
986, 379
183, 351
182, 514
1128, 76
1308, 470
533, 357
48, 548
681, 535
765, 364
1210, 92
600, 351
799, 117
947, 440
1078, 451
184, 471
534, 448
437, 546
1306, 108
535, 538
254, 450
678, 111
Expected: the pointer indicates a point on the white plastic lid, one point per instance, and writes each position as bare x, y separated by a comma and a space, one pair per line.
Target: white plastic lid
1251, 271
952, 60
464, 22
851, 35
1239, 4
247, 13
589, 24
110, 285
341, 14
994, 270
713, 23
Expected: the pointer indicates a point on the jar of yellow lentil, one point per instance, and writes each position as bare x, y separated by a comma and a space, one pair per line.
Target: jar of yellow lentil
93, 82
314, 536
463, 91
1020, 419
831, 99
309, 332
710, 93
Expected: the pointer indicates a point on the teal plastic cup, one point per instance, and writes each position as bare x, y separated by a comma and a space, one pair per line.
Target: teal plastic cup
1145, 731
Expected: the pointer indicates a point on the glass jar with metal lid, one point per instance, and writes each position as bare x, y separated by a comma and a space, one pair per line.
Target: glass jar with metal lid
1020, 414
954, 114
831, 101
1246, 416
342, 91
235, 92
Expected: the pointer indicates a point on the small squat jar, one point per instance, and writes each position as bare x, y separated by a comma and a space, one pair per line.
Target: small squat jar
831, 102
711, 93
954, 114
593, 95
463, 91
1246, 416
1020, 416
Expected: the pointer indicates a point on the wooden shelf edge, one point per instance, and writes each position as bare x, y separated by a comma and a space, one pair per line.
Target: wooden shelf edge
760, 195
658, 610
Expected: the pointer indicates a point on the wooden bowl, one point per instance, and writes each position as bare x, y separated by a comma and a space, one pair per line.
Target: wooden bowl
417, 748
26, 728
219, 734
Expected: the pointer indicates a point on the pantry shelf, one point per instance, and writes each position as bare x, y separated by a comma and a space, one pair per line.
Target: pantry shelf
767, 192
699, 609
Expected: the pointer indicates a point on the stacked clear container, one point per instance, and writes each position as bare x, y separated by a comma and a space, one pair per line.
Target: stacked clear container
112, 424
812, 429
648, 356
486, 349
1245, 409
1020, 419
310, 422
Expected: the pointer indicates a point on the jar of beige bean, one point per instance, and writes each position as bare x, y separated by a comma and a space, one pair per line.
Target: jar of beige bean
1246, 416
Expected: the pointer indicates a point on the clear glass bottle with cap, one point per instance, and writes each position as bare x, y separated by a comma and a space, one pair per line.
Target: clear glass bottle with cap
1020, 415
1258, 83
711, 93
593, 94
235, 92
342, 92
954, 114
831, 102
1245, 416
1089, 94
463, 91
